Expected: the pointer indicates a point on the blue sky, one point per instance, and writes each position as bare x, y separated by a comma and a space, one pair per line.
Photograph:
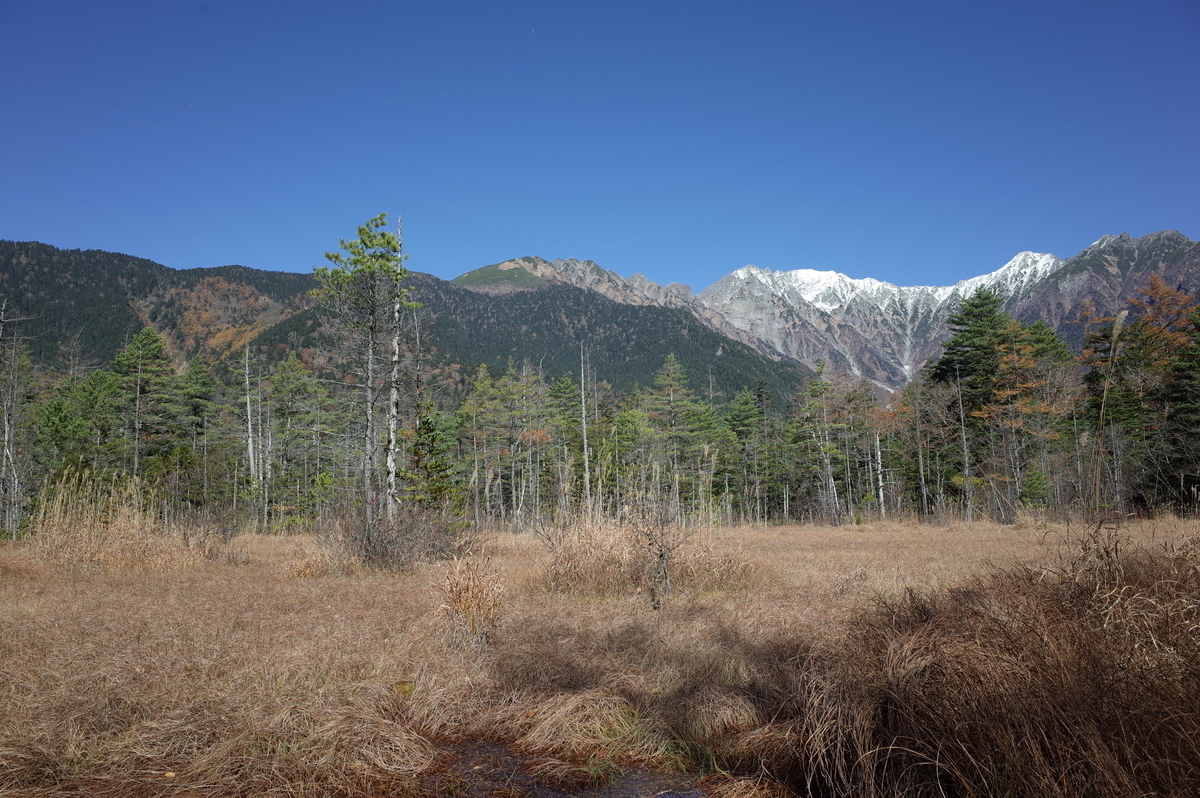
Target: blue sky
915, 142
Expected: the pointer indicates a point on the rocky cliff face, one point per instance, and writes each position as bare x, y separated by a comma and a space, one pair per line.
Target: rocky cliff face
869, 328
1105, 276
886, 332
514, 275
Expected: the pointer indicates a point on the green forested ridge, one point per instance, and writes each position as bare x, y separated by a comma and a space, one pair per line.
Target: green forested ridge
94, 301
106, 298
490, 275
75, 295
624, 344
279, 286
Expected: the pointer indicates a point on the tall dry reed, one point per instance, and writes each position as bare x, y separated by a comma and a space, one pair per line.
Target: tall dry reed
85, 521
473, 595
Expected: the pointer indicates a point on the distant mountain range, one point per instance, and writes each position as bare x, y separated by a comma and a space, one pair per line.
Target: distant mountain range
753, 324
877, 330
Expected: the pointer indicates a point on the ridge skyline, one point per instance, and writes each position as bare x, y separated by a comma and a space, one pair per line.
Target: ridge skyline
1025, 262
876, 330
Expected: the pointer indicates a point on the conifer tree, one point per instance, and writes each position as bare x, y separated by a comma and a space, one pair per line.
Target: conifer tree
148, 381
79, 424
971, 357
1130, 362
364, 299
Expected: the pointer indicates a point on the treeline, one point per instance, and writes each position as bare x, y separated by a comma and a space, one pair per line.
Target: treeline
1006, 421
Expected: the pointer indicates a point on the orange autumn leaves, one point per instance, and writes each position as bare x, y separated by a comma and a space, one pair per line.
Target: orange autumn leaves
220, 317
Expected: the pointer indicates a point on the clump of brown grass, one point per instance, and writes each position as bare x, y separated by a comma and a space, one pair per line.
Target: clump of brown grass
608, 560
1079, 679
83, 521
473, 596
1082, 677
591, 558
324, 556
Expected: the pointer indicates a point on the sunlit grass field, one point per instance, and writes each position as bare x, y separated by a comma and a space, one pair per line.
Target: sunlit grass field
884, 659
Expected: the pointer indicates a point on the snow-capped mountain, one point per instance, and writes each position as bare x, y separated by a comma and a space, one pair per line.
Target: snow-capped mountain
873, 329
866, 327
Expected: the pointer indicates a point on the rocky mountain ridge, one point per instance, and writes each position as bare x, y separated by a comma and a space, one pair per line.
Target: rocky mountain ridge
874, 329
865, 327
513, 276
77, 308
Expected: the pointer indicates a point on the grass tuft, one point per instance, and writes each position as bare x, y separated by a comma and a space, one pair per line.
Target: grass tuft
473, 599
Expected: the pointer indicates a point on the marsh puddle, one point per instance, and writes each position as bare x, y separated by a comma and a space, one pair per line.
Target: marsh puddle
487, 770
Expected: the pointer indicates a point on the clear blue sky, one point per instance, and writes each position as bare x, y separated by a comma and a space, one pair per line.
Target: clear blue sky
915, 142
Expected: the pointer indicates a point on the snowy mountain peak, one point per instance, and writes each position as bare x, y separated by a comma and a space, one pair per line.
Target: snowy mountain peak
1013, 277
830, 291
863, 326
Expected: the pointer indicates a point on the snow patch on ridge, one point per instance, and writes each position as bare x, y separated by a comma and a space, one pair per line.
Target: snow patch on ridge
831, 291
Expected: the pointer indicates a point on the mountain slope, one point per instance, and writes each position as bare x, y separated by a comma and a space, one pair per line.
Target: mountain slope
530, 308
104, 298
533, 273
75, 295
625, 344
1106, 275
96, 301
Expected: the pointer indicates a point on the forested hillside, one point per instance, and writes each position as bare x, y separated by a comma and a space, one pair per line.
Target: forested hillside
81, 307
597, 408
83, 298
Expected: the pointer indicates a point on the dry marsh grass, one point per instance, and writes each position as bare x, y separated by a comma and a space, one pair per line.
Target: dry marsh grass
473, 595
86, 522
606, 560
882, 660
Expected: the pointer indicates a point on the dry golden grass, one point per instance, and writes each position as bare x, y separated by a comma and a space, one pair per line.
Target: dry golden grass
883, 659
604, 560
473, 597
85, 522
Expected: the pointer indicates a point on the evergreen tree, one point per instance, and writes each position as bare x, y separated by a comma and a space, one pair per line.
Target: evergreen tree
149, 385
1177, 481
1046, 346
428, 477
683, 460
1131, 398
971, 357
299, 417
364, 302
753, 462
79, 425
